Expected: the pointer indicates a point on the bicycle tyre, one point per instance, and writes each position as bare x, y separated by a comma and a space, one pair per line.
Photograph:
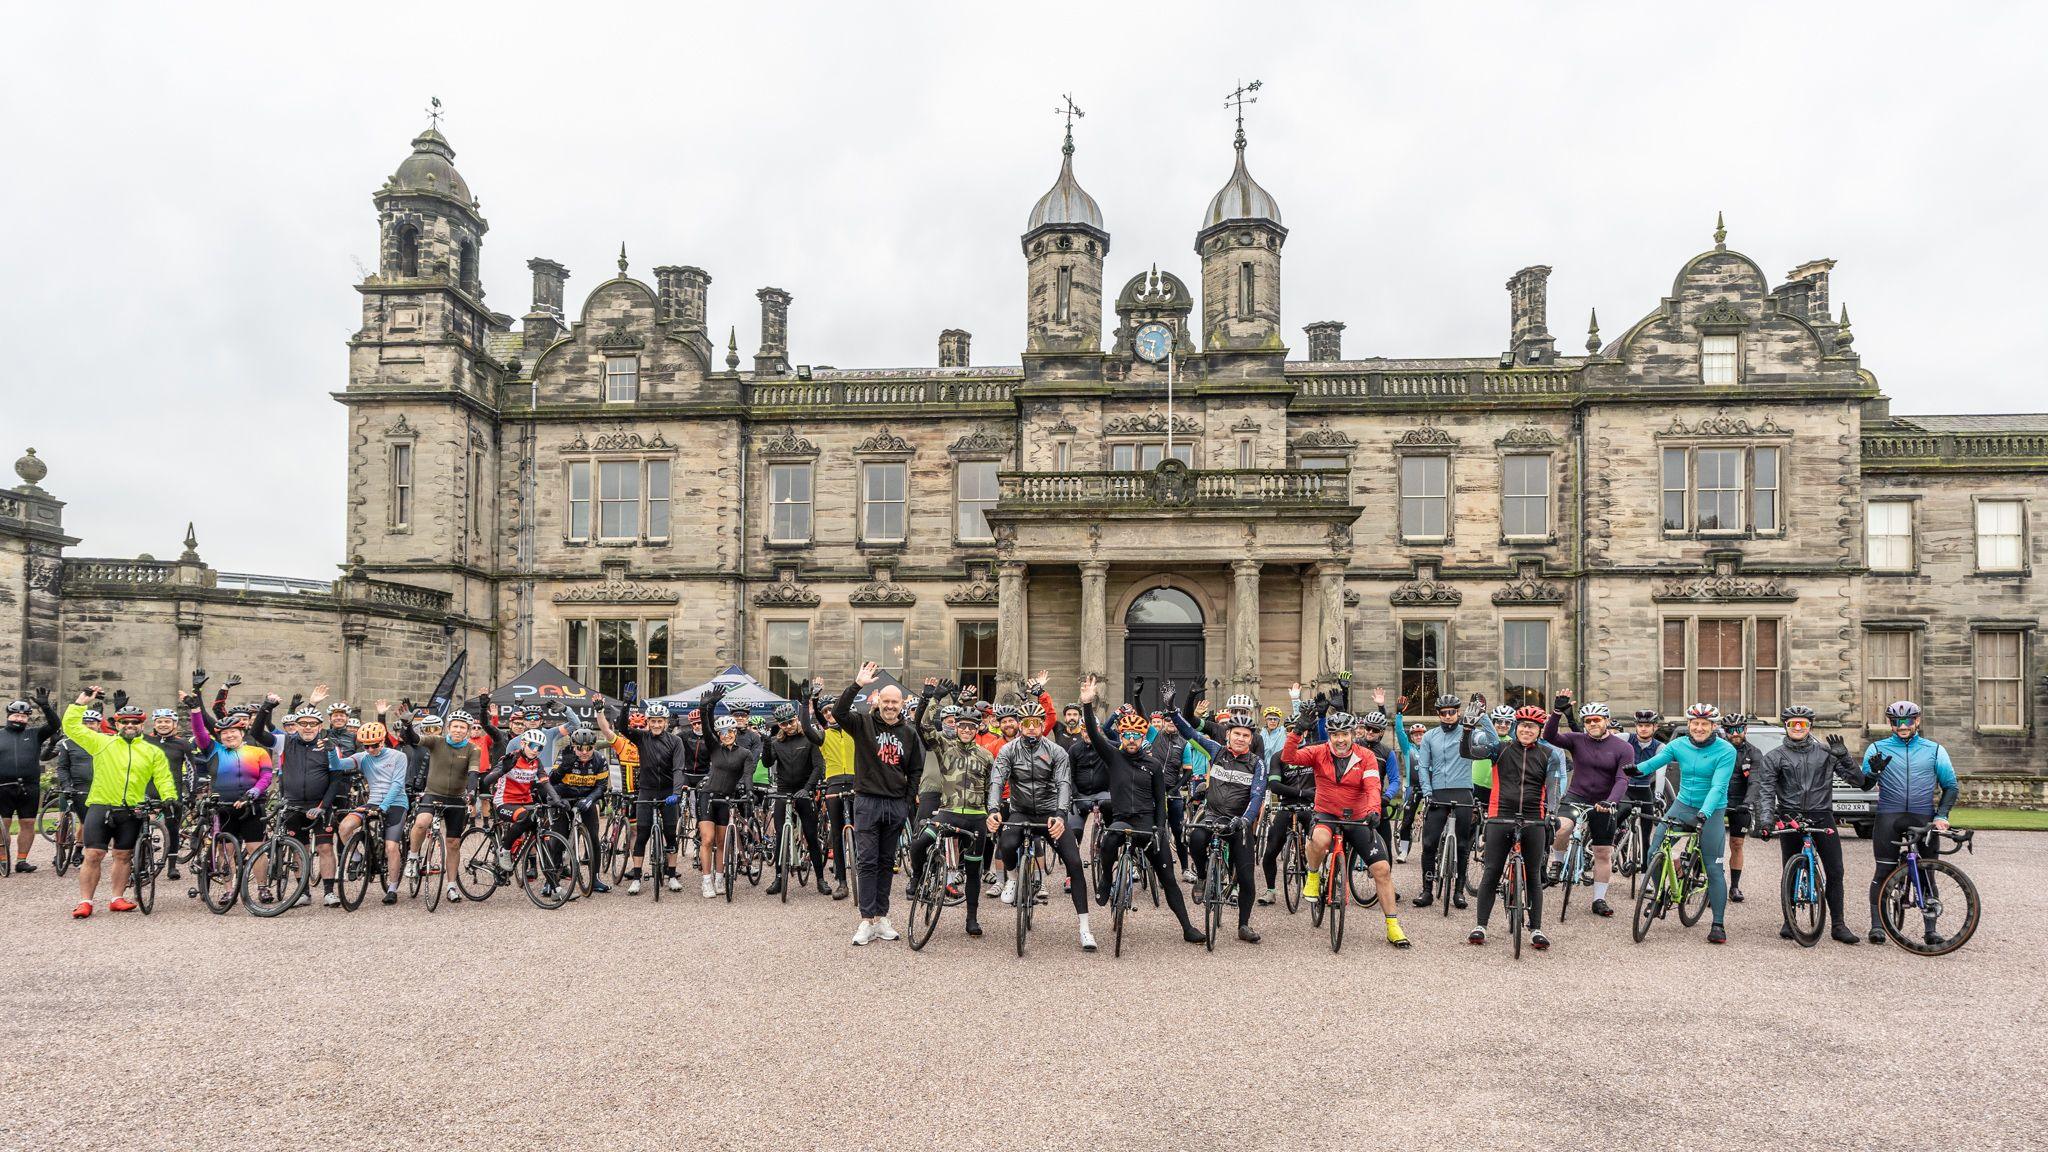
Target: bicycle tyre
1027, 896
1119, 900
286, 863
1364, 892
144, 874
1692, 880
1293, 870
1447, 864
731, 864
159, 836
218, 872
1098, 868
655, 862
66, 837
545, 870
785, 866
46, 817
852, 863
618, 846
433, 856
927, 901
1800, 899
1340, 878
1514, 879
476, 865
1894, 901
1648, 908
352, 869
1574, 855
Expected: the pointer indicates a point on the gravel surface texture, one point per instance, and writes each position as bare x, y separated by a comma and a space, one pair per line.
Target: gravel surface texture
616, 1023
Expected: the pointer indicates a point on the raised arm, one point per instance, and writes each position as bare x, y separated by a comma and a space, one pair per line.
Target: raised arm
202, 736
1095, 738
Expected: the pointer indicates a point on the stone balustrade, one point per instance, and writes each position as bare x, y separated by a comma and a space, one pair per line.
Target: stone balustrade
1173, 485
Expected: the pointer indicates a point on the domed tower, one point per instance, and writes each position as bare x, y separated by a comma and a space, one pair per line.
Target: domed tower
1064, 246
428, 221
1240, 248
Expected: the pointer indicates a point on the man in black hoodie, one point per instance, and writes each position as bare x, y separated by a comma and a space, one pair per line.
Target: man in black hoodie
888, 758
21, 773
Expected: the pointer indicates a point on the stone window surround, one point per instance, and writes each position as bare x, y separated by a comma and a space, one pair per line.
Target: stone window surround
860, 513
1912, 502
1912, 629
2026, 568
590, 617
1692, 653
605, 375
2024, 629
1447, 672
1553, 617
1549, 455
593, 459
395, 523
1748, 445
1448, 452
768, 467
960, 541
768, 617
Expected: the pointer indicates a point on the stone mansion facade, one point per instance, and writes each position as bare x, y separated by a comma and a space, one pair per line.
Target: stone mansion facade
1712, 502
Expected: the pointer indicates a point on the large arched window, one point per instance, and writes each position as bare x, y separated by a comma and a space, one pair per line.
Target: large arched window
408, 263
1164, 606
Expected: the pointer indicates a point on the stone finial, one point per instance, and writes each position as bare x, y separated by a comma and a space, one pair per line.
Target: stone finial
191, 553
1720, 233
1593, 334
31, 469
622, 257
1844, 337
732, 350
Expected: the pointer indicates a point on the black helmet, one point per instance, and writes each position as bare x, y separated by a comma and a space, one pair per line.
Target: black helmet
1797, 712
584, 737
1646, 716
783, 713
1448, 700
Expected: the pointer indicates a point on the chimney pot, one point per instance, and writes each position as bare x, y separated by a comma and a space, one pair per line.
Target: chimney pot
1816, 272
543, 322
1325, 340
1528, 310
773, 358
953, 343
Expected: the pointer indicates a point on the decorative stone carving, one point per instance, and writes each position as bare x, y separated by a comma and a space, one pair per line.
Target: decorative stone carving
579, 444
1427, 436
1324, 436
1063, 428
882, 589
1721, 315
977, 591
1529, 586
788, 444
1247, 426
400, 427
1724, 426
615, 588
631, 442
1723, 583
1351, 598
1151, 423
1528, 436
980, 443
785, 592
44, 573
31, 469
617, 340
1425, 590
884, 443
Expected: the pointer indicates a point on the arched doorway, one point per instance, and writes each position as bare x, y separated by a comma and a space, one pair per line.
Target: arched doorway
1162, 642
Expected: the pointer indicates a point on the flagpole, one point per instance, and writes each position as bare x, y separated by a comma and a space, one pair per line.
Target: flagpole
1169, 402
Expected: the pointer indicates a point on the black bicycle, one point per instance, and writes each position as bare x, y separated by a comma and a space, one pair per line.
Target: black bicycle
1448, 858
1514, 875
278, 873
58, 821
359, 857
148, 860
792, 857
216, 861
1217, 872
1928, 906
930, 896
1030, 878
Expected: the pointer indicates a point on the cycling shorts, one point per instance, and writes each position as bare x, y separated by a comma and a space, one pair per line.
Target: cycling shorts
106, 825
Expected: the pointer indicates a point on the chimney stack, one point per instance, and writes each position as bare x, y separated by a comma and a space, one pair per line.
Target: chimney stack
682, 296
773, 358
1528, 307
1816, 273
543, 322
1325, 340
953, 348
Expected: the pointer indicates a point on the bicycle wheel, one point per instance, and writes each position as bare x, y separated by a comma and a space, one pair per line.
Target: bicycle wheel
733, 851
46, 817
433, 864
65, 839
1364, 892
618, 845
144, 876
284, 864
1339, 869
1027, 890
1799, 898
1447, 865
1098, 868
352, 868
1649, 906
1293, 870
476, 865
217, 872
1692, 881
158, 833
927, 900
852, 863
785, 863
546, 869
656, 860
1119, 900
1941, 920
1512, 881
1212, 910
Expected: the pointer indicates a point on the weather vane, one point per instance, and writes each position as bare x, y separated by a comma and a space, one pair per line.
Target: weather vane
434, 111
1070, 111
1238, 99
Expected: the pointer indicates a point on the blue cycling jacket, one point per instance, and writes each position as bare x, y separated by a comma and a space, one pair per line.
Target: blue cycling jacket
1919, 769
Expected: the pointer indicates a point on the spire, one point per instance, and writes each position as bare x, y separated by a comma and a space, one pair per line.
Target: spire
732, 350
622, 257
1066, 202
191, 554
1720, 233
1593, 334
1843, 337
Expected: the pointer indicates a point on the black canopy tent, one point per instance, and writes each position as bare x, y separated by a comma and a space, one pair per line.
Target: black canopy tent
545, 685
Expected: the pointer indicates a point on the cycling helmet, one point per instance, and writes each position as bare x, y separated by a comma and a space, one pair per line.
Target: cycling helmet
1230, 720
459, 714
337, 706
1734, 722
726, 724
1273, 712
657, 711
1448, 701
1132, 724
1703, 712
1797, 712
303, 715
428, 721
1590, 710
1531, 714
951, 712
531, 712
530, 740
584, 737
1031, 710
1375, 720
353, 724
17, 708
128, 712
1902, 712
371, 733
163, 714
1502, 714
784, 713
91, 716
1007, 712
1240, 702
1340, 721
1647, 716
240, 723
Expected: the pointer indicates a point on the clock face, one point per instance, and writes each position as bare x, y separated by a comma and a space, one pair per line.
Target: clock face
1154, 341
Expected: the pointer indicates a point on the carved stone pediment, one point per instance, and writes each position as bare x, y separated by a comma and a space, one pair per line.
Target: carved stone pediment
1721, 316
1723, 583
1724, 426
1324, 436
1150, 423
1529, 586
980, 443
884, 443
786, 444
1426, 436
882, 589
1425, 589
616, 588
786, 592
1528, 436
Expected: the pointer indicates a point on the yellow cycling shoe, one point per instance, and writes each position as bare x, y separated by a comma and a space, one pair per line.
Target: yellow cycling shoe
1312, 886
1395, 936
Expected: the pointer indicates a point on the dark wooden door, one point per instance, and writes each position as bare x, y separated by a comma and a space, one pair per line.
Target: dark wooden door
1162, 654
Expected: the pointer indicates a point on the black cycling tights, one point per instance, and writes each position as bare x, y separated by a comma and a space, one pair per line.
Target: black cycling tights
643, 827
1827, 846
1433, 832
1011, 846
972, 832
807, 824
1240, 861
1884, 834
1276, 839
1155, 854
1535, 841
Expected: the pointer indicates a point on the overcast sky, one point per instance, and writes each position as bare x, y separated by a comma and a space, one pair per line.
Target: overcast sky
187, 204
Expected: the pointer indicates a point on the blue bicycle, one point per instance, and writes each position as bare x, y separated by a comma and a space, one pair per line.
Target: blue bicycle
1929, 906
1802, 892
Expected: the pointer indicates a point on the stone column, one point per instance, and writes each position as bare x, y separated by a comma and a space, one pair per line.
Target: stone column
1094, 618
1244, 627
1311, 638
190, 656
353, 633
1013, 611
1329, 577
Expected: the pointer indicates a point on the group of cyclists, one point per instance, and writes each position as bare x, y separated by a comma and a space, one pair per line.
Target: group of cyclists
875, 781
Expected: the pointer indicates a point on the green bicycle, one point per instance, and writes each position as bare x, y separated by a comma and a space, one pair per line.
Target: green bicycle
1676, 876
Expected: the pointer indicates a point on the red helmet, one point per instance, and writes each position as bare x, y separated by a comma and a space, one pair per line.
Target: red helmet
1530, 714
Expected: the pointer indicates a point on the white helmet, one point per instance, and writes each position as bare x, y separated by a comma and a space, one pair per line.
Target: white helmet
1241, 702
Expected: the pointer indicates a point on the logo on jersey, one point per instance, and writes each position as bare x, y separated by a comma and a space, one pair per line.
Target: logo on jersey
888, 749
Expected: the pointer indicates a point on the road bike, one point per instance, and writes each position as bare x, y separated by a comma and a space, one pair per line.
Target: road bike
1215, 881
359, 858
1337, 874
930, 895
277, 873
430, 869
1631, 840
792, 856
216, 860
615, 834
1293, 855
1030, 875
1575, 857
148, 861
1803, 886
1514, 875
1449, 860
1131, 868
59, 824
539, 861
1928, 906
1675, 877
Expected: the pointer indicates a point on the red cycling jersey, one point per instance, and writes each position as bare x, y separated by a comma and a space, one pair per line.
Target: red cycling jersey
1356, 789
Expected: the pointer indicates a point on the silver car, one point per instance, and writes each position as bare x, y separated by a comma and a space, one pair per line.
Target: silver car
1856, 807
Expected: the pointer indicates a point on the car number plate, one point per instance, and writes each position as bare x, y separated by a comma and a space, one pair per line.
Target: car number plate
1852, 807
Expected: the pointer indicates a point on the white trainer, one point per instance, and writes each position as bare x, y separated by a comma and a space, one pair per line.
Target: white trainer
633, 889
885, 930
1010, 890
710, 888
1087, 938
863, 934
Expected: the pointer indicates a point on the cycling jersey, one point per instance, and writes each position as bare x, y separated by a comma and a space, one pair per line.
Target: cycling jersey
382, 770
1599, 772
1703, 771
21, 748
1137, 780
1346, 790
302, 772
449, 765
798, 764
1641, 788
578, 776
1237, 784
1520, 772
1919, 779
232, 773
1438, 761
1797, 778
963, 769
123, 770
513, 781
1039, 775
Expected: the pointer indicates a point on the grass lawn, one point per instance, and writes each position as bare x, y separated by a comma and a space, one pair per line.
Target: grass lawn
2012, 819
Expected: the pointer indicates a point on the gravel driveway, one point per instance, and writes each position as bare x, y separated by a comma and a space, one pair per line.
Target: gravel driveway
615, 1023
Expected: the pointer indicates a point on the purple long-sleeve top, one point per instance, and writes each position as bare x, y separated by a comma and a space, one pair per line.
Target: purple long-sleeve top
1599, 766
